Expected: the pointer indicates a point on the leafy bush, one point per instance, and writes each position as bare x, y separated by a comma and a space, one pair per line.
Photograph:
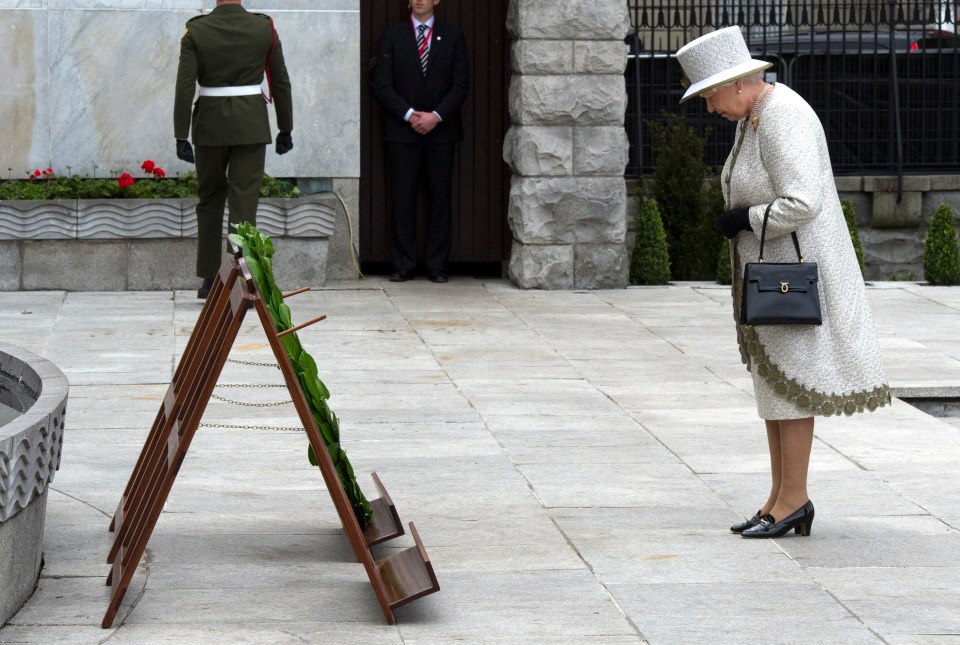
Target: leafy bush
650, 263
850, 214
724, 270
941, 257
688, 204
45, 185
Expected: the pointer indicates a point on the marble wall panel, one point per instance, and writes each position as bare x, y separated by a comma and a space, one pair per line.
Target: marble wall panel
90, 84
24, 104
322, 51
111, 85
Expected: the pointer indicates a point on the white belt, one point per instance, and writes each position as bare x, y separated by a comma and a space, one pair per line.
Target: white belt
236, 90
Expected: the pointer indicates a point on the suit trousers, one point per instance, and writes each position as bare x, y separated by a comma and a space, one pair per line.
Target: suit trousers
240, 189
410, 164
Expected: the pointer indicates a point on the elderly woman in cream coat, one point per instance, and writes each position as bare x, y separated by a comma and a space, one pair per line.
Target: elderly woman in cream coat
780, 157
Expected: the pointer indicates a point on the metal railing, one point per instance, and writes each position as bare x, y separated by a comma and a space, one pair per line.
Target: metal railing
884, 77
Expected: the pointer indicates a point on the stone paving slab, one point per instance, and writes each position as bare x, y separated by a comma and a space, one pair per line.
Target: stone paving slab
571, 459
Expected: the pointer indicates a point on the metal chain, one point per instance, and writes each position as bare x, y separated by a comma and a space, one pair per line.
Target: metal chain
239, 362
250, 405
248, 427
251, 385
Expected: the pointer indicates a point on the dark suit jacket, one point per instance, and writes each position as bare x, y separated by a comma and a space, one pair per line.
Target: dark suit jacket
400, 85
228, 47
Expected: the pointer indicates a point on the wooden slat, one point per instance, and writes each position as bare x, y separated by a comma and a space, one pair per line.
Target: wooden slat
386, 523
408, 574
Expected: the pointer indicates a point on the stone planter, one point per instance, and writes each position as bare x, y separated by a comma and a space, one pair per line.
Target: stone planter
138, 244
33, 395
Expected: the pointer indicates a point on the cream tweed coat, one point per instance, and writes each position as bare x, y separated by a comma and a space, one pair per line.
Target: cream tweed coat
801, 371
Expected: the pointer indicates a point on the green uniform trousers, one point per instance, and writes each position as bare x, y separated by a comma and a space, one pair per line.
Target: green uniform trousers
240, 189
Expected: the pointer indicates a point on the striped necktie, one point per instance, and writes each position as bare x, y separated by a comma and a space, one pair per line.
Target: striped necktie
422, 48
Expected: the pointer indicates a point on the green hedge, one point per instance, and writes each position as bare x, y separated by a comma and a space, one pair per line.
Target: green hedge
941, 257
850, 214
650, 263
688, 203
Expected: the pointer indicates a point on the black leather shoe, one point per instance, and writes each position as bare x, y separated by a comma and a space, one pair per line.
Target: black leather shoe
749, 524
800, 521
204, 289
438, 277
401, 276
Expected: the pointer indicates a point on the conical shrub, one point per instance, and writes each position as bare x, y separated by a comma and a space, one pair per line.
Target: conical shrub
650, 263
724, 270
850, 214
941, 256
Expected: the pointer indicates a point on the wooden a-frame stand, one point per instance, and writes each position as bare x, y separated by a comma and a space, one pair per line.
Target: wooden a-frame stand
397, 579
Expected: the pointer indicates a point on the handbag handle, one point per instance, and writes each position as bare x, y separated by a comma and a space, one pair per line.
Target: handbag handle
763, 235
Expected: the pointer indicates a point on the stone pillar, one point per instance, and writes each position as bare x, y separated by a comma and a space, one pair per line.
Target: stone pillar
567, 146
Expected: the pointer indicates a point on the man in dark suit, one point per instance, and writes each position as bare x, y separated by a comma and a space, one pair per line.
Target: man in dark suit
228, 51
421, 77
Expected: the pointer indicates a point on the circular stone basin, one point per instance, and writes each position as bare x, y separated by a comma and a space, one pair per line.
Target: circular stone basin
33, 401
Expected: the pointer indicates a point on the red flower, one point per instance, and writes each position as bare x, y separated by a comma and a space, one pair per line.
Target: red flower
37, 173
158, 172
48, 172
148, 166
126, 179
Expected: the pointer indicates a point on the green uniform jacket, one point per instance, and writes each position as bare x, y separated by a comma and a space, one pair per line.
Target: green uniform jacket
229, 47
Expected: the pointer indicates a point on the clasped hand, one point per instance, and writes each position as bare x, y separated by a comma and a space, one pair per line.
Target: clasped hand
423, 122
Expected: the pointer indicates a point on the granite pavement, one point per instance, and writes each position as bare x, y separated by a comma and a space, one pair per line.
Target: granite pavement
572, 461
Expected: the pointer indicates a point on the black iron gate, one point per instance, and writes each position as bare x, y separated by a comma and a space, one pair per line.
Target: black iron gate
884, 77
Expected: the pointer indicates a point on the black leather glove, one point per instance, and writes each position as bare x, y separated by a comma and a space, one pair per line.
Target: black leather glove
284, 143
184, 151
733, 221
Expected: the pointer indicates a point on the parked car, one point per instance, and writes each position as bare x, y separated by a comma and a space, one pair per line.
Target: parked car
852, 42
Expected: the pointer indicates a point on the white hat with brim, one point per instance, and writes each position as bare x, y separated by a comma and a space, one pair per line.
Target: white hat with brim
715, 59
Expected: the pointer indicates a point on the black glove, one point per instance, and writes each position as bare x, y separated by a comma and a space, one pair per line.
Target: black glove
284, 143
733, 221
184, 151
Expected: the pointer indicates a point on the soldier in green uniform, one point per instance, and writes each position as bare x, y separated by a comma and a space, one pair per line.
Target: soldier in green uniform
227, 52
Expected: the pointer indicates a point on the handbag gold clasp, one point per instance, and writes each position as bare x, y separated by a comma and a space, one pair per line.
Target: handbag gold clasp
784, 287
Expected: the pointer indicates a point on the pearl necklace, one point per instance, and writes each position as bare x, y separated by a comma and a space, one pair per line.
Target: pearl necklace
754, 117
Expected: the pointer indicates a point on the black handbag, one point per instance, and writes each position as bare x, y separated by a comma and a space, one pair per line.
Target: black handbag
780, 293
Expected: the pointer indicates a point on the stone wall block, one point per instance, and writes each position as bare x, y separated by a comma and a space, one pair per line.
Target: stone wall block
10, 265
534, 266
600, 266
568, 19
887, 213
542, 57
933, 200
599, 57
892, 184
893, 252
539, 151
568, 100
849, 184
945, 182
162, 265
75, 265
600, 150
568, 210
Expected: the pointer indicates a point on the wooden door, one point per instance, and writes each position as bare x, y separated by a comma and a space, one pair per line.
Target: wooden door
481, 183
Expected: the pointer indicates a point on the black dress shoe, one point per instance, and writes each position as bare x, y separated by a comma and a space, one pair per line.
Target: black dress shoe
749, 524
800, 521
204, 289
438, 277
401, 276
